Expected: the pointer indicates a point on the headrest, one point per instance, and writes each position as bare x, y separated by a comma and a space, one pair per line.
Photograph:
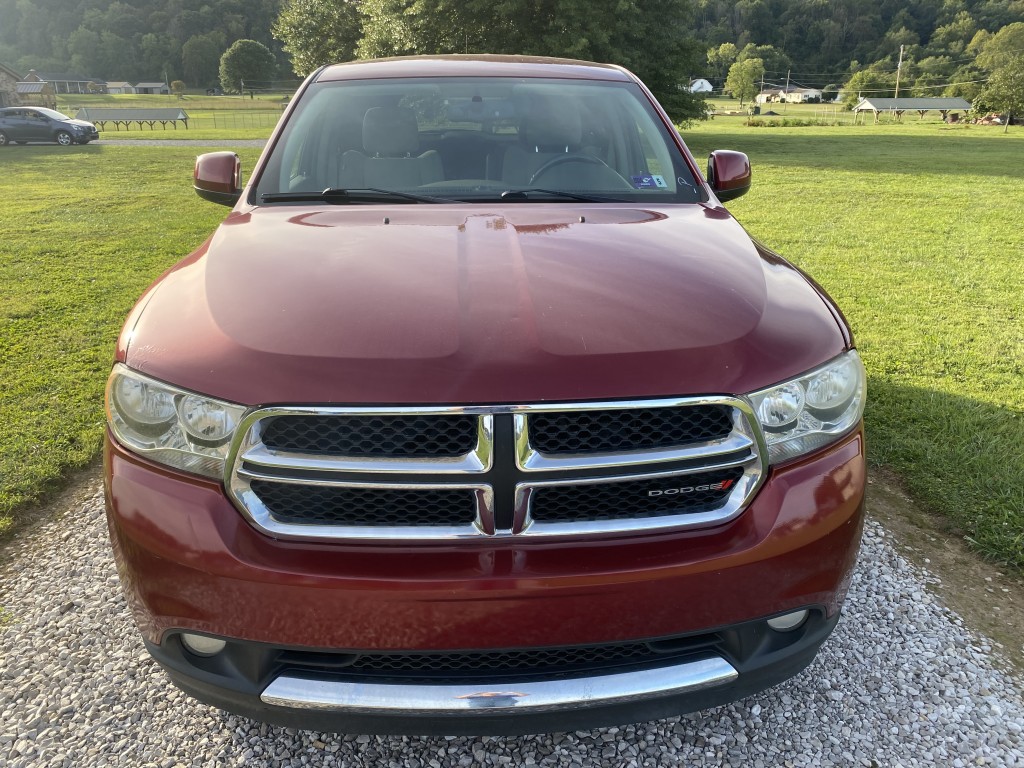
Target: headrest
390, 132
551, 122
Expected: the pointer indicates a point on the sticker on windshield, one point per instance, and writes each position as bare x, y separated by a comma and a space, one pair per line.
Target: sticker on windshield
649, 181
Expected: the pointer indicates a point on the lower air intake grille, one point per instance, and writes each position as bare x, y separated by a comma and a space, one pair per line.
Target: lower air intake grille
314, 505
529, 662
682, 494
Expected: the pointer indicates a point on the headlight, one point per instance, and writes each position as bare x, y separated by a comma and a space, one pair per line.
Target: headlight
169, 425
806, 413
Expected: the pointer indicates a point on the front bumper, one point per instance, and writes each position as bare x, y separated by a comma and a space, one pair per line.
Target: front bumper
190, 562
285, 688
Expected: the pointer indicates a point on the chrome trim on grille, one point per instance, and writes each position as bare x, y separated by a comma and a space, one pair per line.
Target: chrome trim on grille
464, 700
529, 459
733, 504
260, 516
253, 451
249, 459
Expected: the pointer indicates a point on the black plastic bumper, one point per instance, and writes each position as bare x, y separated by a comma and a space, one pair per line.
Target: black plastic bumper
235, 679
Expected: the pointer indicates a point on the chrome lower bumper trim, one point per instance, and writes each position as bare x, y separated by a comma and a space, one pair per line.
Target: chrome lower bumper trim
469, 699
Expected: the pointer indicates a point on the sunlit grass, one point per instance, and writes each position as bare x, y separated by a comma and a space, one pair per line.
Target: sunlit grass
83, 231
915, 231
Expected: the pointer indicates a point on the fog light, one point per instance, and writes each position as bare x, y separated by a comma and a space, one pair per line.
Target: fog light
787, 621
202, 645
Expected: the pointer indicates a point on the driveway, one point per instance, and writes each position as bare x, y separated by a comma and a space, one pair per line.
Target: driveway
902, 682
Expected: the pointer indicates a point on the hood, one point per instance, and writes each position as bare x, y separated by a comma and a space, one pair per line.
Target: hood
80, 123
475, 304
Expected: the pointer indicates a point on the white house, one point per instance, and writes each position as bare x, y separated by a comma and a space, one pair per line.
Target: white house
793, 95
118, 86
799, 95
152, 88
700, 85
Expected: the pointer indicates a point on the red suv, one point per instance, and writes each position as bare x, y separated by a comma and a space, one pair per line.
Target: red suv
480, 414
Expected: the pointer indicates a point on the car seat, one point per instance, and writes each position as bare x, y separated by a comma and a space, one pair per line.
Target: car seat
390, 159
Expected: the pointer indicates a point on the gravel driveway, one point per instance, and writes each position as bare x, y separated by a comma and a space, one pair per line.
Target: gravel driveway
901, 682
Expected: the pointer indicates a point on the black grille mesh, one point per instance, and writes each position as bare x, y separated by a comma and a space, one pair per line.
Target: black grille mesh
321, 505
506, 661
632, 500
629, 429
528, 662
410, 436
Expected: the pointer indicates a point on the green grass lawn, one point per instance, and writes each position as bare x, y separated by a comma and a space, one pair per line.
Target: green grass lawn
83, 231
913, 228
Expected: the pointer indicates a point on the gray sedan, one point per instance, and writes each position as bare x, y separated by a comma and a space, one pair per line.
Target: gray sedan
24, 124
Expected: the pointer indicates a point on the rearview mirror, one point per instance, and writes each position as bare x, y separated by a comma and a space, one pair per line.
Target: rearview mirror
728, 174
218, 177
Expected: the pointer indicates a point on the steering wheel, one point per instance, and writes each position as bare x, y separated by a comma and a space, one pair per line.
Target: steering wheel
561, 159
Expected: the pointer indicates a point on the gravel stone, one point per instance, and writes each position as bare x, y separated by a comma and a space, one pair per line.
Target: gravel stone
902, 682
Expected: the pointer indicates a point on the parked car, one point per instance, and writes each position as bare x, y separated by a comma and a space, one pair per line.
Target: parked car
21, 125
480, 413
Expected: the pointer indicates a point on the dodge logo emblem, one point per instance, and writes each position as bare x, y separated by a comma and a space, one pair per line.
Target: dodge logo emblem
722, 486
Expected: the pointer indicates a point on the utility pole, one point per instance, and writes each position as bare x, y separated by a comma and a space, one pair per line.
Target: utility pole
899, 68
786, 102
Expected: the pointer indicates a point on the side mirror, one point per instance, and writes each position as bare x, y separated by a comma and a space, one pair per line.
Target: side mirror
218, 177
728, 174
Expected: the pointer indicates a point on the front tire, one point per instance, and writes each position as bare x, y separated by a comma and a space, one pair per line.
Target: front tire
3, 139
64, 139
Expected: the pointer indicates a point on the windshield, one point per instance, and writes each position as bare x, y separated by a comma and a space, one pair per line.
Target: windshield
476, 139
52, 113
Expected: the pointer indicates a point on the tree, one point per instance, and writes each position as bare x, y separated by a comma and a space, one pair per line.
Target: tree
774, 60
1001, 46
966, 82
1005, 89
625, 32
200, 58
721, 58
956, 35
156, 59
246, 60
869, 83
743, 78
178, 87
317, 32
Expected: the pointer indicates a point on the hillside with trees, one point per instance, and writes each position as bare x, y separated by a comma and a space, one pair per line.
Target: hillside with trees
133, 39
938, 47
950, 47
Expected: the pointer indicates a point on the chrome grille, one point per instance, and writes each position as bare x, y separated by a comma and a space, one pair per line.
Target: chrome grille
551, 470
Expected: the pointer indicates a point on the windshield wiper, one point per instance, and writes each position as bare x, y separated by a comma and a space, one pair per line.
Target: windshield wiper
524, 194
340, 196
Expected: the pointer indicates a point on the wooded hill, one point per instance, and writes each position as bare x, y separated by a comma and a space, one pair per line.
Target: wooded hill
132, 39
816, 42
